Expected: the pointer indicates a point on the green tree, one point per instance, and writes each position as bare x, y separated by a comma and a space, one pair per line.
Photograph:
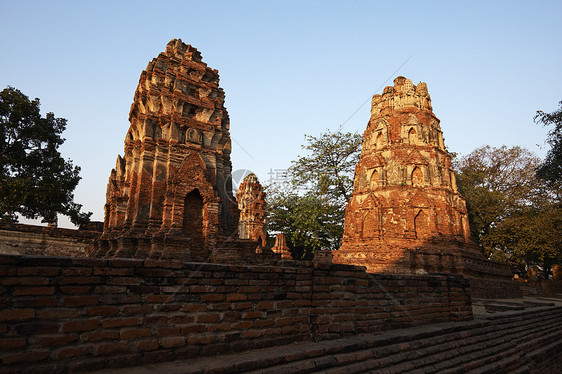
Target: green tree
512, 213
551, 169
532, 235
36, 180
310, 207
309, 221
329, 168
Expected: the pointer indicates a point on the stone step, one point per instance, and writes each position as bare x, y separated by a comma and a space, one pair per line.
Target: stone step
493, 308
506, 362
500, 342
402, 357
550, 352
500, 357
455, 353
517, 322
443, 355
384, 344
534, 309
503, 350
552, 300
538, 303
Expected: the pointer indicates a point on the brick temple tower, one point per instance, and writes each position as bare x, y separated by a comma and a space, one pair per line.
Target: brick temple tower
170, 195
251, 203
406, 214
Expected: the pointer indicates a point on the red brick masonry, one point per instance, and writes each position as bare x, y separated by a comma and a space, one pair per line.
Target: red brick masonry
83, 313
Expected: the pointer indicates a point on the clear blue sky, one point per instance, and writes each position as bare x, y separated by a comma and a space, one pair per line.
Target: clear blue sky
288, 68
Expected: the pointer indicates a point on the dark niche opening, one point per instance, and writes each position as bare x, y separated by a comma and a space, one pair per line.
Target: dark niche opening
421, 225
193, 217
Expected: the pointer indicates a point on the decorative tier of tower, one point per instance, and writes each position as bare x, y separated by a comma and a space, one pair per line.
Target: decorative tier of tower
170, 195
251, 203
406, 214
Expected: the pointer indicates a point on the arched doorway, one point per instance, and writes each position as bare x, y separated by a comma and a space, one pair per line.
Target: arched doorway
421, 225
379, 141
370, 224
417, 177
412, 136
193, 217
374, 179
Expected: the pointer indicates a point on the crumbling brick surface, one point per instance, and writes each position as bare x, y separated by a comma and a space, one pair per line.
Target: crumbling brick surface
88, 313
281, 247
23, 239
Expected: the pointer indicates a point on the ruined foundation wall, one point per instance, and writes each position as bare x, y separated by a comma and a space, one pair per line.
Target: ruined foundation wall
20, 239
485, 288
85, 313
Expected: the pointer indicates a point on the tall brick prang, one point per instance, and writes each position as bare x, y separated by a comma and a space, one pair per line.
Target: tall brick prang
406, 214
170, 195
251, 202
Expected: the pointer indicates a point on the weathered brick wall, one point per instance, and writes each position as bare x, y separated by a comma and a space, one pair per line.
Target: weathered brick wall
20, 239
347, 299
543, 287
82, 313
486, 288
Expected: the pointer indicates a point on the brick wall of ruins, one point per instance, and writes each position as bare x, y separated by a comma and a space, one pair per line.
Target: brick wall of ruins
84, 313
23, 239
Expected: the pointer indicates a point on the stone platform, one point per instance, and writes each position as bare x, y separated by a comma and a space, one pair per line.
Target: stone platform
521, 341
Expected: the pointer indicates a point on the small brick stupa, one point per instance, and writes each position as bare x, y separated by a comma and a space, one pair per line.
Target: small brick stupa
281, 247
251, 203
406, 214
170, 196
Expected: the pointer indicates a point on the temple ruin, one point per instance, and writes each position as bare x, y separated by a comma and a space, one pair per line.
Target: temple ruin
195, 287
170, 195
251, 203
406, 214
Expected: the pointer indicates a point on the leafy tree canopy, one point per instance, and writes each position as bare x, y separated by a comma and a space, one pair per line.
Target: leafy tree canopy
310, 208
36, 180
329, 167
310, 221
513, 215
551, 169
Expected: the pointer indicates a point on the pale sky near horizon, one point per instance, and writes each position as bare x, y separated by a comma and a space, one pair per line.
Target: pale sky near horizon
288, 68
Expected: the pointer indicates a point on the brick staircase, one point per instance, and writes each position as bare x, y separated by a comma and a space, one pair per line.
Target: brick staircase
517, 341
493, 306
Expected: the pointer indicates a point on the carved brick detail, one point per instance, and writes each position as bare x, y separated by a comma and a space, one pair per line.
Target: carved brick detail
251, 203
405, 214
173, 183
